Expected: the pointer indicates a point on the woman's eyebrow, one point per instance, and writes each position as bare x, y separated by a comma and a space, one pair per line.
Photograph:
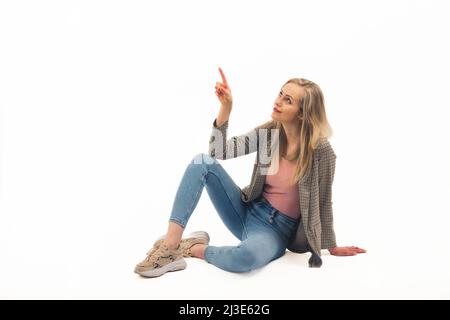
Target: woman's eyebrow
286, 94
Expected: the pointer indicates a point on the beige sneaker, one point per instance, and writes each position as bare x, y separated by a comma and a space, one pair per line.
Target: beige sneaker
160, 259
197, 237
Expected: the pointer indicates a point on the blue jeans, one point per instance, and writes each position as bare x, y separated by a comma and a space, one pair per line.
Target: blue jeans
264, 231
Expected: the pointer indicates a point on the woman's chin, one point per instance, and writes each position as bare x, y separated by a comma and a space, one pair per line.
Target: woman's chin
274, 115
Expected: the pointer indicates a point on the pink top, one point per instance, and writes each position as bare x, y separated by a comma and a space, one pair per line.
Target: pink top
281, 195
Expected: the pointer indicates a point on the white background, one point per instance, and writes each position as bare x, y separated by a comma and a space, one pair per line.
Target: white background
104, 103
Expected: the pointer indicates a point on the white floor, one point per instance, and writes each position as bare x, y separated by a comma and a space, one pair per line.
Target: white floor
368, 277
96, 261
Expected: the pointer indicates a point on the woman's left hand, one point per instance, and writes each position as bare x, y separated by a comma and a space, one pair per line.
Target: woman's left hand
346, 251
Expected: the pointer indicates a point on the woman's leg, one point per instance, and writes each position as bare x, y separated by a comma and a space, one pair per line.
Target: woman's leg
257, 250
205, 171
268, 234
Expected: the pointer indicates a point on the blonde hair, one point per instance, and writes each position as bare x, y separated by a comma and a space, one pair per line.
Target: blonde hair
314, 127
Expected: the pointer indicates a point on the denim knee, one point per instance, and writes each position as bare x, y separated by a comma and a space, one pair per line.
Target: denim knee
243, 259
203, 159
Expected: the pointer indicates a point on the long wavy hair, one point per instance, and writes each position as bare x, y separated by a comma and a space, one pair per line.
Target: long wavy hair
314, 127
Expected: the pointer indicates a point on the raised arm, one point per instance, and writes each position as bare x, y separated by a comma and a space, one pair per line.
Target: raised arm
222, 148
219, 146
223, 93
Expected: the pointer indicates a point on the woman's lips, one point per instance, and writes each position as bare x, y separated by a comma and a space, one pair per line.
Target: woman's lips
276, 110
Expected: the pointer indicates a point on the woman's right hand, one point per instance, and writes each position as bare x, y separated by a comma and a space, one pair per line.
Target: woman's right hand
223, 92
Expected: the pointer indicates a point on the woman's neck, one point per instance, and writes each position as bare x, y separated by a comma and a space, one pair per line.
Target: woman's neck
292, 135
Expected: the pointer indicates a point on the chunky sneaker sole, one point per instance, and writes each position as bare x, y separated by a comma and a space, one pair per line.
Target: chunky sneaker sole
176, 265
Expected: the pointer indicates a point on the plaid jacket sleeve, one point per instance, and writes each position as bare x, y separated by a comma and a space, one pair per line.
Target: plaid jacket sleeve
222, 148
327, 166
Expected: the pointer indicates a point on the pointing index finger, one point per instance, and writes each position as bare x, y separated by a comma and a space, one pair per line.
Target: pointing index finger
224, 80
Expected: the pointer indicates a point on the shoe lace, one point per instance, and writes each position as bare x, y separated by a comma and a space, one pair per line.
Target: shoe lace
154, 254
153, 250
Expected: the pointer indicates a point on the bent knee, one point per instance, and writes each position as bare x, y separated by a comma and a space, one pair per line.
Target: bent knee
203, 158
244, 260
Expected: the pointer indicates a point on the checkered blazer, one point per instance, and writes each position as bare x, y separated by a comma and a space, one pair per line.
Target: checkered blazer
315, 230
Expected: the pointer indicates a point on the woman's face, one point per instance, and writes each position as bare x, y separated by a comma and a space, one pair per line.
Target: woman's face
286, 106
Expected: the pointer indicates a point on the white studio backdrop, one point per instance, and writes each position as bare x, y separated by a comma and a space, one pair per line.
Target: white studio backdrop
104, 103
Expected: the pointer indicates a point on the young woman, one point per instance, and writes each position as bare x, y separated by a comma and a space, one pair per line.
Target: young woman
287, 205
